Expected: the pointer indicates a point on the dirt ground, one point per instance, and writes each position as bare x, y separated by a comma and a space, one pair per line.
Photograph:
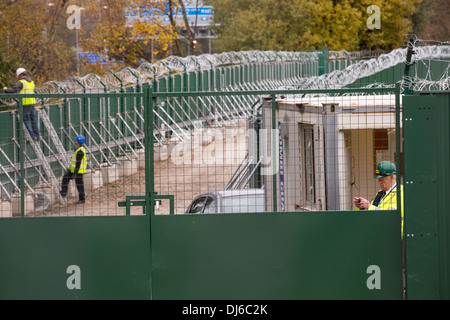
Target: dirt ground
206, 171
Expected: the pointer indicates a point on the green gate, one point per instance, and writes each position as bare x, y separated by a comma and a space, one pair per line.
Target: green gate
426, 122
318, 247
330, 252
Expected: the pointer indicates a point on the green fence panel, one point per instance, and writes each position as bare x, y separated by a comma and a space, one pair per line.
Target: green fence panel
162, 85
427, 152
218, 78
75, 114
293, 255
112, 254
235, 74
276, 256
6, 132
178, 82
204, 80
212, 79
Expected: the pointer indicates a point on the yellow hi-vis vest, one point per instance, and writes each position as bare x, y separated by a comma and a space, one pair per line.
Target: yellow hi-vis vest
73, 162
389, 202
28, 88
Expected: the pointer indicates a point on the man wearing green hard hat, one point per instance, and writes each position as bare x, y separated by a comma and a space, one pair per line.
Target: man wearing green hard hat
386, 198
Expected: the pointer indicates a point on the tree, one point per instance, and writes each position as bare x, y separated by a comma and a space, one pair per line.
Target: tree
297, 25
437, 27
128, 31
337, 25
28, 29
190, 32
396, 24
172, 9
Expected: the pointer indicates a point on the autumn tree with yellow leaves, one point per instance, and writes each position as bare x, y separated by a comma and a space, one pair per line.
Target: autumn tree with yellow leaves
297, 25
127, 31
34, 34
28, 39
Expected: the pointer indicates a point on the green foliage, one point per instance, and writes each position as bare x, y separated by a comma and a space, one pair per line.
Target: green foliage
7, 71
297, 25
422, 15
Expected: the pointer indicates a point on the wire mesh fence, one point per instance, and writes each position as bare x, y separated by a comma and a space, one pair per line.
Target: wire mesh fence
231, 151
114, 143
304, 151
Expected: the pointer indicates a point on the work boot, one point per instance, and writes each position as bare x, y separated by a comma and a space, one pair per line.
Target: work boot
80, 202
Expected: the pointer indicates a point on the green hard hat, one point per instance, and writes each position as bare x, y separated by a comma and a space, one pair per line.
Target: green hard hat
385, 168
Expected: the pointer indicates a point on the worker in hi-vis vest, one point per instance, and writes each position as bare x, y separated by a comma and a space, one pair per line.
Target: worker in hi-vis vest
26, 85
76, 170
386, 198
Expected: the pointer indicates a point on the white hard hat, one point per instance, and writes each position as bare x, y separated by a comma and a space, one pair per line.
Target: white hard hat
20, 71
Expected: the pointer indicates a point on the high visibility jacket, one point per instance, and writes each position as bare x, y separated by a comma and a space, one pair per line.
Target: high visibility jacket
389, 202
28, 88
73, 162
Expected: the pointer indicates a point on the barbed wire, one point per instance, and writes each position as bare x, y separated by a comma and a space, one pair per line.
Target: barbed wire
148, 72
368, 63
341, 78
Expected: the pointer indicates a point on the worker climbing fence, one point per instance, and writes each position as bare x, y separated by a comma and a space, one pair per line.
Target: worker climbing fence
31, 170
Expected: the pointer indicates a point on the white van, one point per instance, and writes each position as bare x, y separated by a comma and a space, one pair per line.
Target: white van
229, 201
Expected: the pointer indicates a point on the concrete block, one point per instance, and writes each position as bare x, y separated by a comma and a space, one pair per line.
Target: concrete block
127, 167
109, 174
243, 123
5, 209
93, 180
171, 145
16, 205
161, 153
72, 190
134, 166
141, 158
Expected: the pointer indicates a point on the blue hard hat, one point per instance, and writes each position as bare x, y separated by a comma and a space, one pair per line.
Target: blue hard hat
80, 138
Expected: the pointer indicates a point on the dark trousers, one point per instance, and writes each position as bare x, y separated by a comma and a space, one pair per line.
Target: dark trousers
30, 121
78, 182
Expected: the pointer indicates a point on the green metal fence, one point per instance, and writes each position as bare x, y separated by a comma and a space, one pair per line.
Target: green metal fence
297, 254
166, 230
426, 124
308, 150
113, 125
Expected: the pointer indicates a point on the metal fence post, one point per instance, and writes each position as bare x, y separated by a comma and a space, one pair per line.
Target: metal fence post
274, 148
21, 158
148, 143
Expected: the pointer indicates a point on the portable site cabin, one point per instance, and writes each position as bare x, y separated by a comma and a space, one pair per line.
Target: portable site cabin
328, 149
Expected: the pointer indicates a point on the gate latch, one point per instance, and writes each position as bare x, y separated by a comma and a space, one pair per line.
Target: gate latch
141, 201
